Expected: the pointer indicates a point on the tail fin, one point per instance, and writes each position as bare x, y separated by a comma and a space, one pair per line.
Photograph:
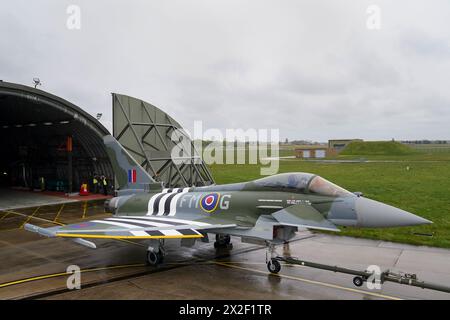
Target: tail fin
129, 174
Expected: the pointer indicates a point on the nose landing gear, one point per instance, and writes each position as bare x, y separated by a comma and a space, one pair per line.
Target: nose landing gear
273, 265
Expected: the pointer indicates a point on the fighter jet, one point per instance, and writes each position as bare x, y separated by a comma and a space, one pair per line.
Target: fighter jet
267, 211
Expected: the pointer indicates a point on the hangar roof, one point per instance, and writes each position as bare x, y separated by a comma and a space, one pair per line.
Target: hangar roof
29, 114
16, 98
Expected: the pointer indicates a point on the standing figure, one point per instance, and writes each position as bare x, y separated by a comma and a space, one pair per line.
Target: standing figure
95, 183
104, 185
42, 183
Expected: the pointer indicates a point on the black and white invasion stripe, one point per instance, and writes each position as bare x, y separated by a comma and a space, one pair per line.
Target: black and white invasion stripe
165, 202
133, 223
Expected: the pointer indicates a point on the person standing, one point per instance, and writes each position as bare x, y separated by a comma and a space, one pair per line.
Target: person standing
95, 183
42, 183
104, 185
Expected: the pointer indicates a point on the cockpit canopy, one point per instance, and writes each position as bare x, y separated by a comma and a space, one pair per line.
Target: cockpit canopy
302, 183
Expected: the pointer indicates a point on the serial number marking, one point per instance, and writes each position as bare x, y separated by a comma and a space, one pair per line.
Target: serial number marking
295, 201
245, 309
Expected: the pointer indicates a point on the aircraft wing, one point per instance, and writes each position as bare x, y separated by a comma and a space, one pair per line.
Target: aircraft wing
305, 216
130, 227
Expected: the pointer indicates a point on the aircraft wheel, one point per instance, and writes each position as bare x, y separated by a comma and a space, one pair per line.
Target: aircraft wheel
223, 239
154, 258
358, 281
274, 266
227, 240
219, 245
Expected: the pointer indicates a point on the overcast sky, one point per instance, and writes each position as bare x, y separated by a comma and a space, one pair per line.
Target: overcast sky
313, 69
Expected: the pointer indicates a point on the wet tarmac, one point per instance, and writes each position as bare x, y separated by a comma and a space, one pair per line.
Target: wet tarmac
35, 267
24, 198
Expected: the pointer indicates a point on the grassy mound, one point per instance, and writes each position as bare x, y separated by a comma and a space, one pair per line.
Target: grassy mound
386, 148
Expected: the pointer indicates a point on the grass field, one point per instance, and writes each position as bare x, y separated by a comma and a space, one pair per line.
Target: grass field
424, 189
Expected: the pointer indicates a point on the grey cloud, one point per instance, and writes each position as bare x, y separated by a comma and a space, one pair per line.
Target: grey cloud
310, 69
428, 45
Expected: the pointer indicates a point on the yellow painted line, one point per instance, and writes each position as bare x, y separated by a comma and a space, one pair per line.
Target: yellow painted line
84, 210
6, 213
59, 212
99, 236
29, 217
55, 275
329, 285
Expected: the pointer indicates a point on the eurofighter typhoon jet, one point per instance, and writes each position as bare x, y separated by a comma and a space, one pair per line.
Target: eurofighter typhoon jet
267, 211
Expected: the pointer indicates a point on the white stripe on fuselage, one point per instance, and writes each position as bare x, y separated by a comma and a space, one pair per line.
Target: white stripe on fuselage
162, 203
152, 202
173, 204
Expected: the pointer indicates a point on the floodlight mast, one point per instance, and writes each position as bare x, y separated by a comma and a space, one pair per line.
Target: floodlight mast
37, 82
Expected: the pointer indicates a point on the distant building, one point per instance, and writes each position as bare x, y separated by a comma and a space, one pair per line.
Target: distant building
336, 146
311, 152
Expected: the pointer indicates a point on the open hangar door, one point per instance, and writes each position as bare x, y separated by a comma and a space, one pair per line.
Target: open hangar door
42, 135
146, 132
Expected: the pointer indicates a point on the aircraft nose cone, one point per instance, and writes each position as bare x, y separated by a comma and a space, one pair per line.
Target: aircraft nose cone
373, 214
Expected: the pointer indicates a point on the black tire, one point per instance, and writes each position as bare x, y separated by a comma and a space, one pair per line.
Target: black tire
154, 258
219, 245
227, 240
358, 281
274, 266
223, 240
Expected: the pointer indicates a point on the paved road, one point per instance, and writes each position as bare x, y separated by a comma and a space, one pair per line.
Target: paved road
203, 273
14, 199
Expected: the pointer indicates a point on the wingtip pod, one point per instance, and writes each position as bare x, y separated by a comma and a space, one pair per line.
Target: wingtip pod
53, 232
46, 232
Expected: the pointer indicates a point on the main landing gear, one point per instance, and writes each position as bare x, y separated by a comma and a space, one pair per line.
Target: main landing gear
223, 241
155, 253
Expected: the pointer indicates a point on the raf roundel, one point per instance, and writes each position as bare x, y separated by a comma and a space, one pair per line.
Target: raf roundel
210, 202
